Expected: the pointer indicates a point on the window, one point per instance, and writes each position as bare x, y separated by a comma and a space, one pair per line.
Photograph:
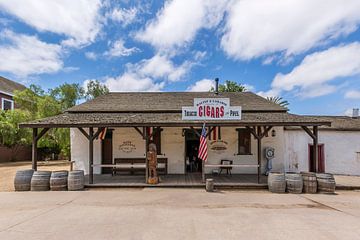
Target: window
157, 139
7, 104
244, 141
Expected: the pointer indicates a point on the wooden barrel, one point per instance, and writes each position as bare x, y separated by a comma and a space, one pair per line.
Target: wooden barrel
76, 180
325, 182
22, 180
58, 180
294, 183
40, 181
310, 182
209, 185
276, 182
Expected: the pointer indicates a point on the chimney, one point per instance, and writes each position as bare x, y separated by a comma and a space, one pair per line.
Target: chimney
217, 86
355, 113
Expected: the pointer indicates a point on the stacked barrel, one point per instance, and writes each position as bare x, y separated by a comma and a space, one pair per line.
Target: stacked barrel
304, 182
26, 180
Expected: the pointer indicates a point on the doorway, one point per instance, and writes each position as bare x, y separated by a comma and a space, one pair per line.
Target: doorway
321, 157
107, 152
192, 163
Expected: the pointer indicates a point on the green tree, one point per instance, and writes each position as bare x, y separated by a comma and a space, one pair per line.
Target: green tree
41, 106
94, 89
67, 94
27, 100
230, 86
10, 134
279, 100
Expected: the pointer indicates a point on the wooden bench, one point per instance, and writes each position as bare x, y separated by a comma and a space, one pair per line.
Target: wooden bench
137, 165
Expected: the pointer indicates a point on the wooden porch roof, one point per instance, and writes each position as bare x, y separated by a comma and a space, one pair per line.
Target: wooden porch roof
68, 119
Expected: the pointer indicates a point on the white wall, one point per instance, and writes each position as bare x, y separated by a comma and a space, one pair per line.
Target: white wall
80, 151
173, 148
340, 148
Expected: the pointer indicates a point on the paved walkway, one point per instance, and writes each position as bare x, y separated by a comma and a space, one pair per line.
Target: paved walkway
178, 214
345, 182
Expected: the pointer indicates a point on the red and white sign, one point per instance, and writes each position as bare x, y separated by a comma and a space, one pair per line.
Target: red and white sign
211, 109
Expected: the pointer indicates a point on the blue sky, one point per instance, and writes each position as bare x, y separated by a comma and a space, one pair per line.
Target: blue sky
306, 51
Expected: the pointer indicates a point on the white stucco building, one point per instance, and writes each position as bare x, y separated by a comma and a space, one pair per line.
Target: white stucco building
240, 126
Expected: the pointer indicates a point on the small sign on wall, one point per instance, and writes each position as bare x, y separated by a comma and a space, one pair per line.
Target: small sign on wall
218, 146
127, 147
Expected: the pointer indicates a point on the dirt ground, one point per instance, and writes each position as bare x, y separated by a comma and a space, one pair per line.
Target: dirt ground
8, 171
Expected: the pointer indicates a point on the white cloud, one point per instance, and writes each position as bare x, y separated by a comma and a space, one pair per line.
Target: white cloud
177, 23
118, 49
130, 82
203, 85
25, 55
313, 76
160, 66
248, 87
91, 55
148, 74
123, 15
79, 21
257, 28
352, 94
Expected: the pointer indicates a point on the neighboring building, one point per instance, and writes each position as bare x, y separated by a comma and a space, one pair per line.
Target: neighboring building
339, 147
7, 89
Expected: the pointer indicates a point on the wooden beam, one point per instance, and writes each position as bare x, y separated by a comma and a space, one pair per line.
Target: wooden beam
98, 133
267, 129
34, 149
91, 155
208, 133
146, 154
316, 149
196, 132
139, 131
253, 132
259, 155
84, 133
308, 131
43, 131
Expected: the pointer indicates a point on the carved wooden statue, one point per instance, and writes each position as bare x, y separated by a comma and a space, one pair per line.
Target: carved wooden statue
152, 159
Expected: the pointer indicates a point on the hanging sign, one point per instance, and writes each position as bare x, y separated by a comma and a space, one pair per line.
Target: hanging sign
211, 109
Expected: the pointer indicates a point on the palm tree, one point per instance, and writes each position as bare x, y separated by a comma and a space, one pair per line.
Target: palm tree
278, 100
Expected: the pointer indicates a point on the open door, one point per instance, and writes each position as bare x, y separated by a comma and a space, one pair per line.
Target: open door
107, 152
321, 156
192, 142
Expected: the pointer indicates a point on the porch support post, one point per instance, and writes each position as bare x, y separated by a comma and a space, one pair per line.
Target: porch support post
256, 132
35, 140
316, 149
91, 155
34, 149
315, 137
259, 154
146, 136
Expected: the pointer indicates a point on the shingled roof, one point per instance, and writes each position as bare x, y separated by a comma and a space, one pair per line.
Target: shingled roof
170, 119
338, 123
9, 87
171, 102
164, 109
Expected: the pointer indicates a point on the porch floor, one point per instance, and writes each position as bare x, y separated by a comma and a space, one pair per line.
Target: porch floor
179, 180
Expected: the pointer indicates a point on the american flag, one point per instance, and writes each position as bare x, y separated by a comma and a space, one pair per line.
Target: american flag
203, 151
